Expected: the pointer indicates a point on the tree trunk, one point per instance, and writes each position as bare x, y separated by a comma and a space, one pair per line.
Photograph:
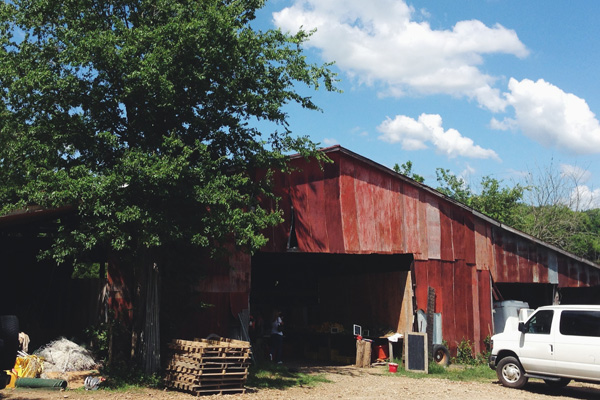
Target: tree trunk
145, 335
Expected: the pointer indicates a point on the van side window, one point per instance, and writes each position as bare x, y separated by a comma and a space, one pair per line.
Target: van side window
580, 323
540, 322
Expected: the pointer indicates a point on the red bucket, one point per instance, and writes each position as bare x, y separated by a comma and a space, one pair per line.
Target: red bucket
393, 367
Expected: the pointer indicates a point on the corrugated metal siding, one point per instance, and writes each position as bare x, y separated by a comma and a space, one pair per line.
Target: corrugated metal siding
446, 232
333, 209
434, 229
484, 251
410, 226
352, 206
485, 303
463, 297
348, 207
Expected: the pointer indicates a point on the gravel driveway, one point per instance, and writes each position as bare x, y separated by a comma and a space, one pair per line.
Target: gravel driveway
347, 383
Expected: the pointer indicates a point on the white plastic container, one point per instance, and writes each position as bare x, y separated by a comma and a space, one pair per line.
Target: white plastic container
505, 309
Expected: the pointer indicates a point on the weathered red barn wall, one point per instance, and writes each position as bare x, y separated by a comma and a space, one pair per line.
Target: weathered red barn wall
226, 289
205, 300
463, 297
356, 206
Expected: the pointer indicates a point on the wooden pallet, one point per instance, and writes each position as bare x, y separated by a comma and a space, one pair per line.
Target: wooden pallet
223, 343
206, 387
208, 366
208, 392
216, 352
207, 370
206, 377
197, 361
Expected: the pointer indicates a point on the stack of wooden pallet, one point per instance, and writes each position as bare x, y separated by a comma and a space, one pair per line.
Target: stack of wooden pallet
208, 366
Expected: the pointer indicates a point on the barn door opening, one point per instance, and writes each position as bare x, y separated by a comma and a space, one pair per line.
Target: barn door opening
322, 296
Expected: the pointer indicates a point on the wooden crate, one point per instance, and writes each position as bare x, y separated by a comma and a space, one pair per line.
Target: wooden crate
203, 366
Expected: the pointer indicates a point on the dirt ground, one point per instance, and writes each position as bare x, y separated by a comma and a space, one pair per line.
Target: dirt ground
347, 382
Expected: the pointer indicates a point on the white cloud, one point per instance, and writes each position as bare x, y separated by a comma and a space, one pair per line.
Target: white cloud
582, 196
552, 117
467, 173
585, 198
575, 173
506, 124
330, 141
357, 130
382, 43
415, 134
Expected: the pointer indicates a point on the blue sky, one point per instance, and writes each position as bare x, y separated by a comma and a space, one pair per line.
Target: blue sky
483, 88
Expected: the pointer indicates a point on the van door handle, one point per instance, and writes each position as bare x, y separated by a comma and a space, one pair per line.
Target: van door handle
551, 349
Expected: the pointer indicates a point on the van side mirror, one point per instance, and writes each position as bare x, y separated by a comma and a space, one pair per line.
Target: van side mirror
522, 327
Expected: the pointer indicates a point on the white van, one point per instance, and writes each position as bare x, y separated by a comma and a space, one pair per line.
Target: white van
556, 344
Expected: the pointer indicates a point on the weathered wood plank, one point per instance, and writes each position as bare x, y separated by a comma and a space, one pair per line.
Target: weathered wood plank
457, 235
318, 241
396, 221
348, 207
365, 210
333, 211
434, 230
446, 242
411, 222
449, 325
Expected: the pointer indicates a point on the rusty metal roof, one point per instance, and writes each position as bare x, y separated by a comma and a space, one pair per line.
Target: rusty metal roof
430, 190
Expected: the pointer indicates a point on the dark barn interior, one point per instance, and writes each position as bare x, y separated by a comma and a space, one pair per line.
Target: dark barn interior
322, 296
47, 300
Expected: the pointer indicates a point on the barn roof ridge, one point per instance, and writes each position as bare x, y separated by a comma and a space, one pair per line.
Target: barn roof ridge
339, 149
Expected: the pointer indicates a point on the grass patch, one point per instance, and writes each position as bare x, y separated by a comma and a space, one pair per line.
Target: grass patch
273, 376
472, 373
455, 372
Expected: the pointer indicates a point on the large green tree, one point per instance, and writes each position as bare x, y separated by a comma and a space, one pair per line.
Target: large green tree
143, 115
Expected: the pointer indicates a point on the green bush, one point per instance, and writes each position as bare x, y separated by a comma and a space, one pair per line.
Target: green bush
98, 339
466, 356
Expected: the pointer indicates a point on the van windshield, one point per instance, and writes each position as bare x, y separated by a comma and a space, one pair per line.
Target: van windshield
540, 322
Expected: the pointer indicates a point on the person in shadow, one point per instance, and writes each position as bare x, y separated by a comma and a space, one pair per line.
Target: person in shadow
277, 337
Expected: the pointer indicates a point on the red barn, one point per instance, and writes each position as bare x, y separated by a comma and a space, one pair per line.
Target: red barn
363, 244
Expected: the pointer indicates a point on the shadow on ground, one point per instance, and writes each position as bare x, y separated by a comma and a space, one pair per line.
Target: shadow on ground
298, 373
575, 390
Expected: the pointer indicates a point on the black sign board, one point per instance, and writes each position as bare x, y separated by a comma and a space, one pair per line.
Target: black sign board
415, 350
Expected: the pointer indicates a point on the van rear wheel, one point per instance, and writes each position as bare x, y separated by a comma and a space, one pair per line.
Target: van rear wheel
511, 373
562, 382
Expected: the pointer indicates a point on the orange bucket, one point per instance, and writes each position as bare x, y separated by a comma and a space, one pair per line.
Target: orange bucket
393, 367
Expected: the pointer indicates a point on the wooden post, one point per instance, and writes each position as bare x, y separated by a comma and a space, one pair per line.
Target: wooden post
360, 349
367, 355
363, 354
